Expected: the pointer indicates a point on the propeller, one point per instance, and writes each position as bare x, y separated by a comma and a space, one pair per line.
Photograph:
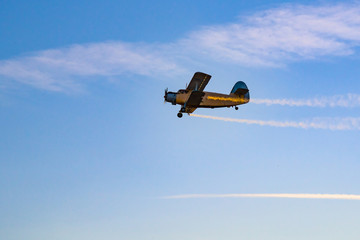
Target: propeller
166, 92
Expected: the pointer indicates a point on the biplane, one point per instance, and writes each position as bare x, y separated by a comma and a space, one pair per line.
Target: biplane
194, 96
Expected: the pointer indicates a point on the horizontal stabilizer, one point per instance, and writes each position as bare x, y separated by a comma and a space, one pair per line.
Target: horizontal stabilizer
241, 91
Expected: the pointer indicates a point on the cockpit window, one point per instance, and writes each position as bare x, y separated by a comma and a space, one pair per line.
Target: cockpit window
182, 91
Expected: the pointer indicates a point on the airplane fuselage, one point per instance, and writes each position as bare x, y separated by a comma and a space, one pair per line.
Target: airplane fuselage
212, 100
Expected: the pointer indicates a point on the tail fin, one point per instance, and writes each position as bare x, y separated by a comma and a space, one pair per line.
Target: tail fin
240, 89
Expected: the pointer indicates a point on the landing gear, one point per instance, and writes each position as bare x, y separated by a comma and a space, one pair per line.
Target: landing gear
179, 115
236, 108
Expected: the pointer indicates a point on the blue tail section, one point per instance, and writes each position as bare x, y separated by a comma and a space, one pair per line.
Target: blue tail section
241, 89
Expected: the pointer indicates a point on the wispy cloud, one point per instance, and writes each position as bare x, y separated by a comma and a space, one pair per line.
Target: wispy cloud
349, 100
275, 36
349, 123
268, 195
267, 38
65, 68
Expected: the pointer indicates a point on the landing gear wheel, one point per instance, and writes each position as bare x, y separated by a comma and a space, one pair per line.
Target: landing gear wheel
179, 115
182, 109
236, 108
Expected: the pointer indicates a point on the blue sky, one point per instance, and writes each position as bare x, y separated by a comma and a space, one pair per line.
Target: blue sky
89, 151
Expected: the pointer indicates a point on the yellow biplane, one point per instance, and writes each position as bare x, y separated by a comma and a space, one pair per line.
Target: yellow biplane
194, 96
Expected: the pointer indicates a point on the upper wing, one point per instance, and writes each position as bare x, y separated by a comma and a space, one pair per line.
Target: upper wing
199, 81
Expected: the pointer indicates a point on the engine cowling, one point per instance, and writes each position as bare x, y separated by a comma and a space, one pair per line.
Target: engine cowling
170, 97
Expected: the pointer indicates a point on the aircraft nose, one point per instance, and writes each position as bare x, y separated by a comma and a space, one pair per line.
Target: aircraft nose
170, 97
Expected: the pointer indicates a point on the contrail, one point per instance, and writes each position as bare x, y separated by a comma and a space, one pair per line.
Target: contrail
348, 100
348, 123
268, 195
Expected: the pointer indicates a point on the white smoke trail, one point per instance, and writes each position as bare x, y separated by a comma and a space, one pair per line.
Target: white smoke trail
348, 123
348, 100
268, 195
